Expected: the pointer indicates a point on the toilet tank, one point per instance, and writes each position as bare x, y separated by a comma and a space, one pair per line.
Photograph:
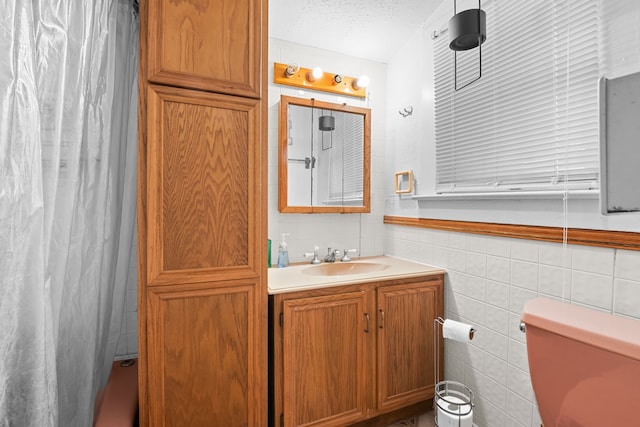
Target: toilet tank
584, 365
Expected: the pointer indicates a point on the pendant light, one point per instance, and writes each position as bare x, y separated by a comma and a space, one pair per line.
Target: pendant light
467, 30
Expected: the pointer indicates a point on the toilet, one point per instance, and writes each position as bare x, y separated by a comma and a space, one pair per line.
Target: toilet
584, 365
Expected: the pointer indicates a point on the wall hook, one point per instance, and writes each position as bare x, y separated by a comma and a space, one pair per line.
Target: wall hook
406, 111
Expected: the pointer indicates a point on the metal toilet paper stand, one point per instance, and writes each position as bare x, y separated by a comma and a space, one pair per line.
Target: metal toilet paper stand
453, 401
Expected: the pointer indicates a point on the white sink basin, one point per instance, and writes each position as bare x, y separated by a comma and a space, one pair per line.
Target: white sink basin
344, 268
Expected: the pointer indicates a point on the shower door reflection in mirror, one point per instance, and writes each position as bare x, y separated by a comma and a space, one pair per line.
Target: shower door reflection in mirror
324, 157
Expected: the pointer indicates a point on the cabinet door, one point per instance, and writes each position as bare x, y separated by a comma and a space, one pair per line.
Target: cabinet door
406, 343
325, 360
202, 181
212, 45
203, 345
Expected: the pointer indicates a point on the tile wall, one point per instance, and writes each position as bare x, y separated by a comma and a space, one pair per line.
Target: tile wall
489, 279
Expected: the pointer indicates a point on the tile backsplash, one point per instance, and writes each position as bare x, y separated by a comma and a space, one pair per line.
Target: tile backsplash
489, 279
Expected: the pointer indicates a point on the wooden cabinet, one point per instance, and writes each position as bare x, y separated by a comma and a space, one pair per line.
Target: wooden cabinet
202, 297
325, 358
405, 343
212, 45
347, 354
202, 347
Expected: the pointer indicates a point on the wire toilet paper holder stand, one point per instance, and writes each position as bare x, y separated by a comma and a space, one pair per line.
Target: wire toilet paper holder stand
457, 397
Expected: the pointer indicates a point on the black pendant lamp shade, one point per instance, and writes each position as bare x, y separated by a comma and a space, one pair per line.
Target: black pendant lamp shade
327, 123
467, 29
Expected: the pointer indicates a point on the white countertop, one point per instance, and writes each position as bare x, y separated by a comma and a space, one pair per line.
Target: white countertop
294, 277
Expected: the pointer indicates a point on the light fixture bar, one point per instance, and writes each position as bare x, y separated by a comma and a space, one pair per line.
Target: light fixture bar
327, 82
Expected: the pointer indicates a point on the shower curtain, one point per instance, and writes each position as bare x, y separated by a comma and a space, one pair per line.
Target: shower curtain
68, 97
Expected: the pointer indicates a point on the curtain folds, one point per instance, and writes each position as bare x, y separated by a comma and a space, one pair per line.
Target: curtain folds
68, 96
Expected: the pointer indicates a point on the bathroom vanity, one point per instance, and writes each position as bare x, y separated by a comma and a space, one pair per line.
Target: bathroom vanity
352, 342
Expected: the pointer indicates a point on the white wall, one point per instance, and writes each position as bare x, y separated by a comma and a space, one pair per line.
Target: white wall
410, 141
340, 231
490, 278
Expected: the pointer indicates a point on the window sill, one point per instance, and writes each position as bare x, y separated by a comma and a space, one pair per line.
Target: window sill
511, 195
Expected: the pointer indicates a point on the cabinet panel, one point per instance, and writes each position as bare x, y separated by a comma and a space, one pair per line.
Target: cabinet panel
208, 45
203, 350
202, 199
406, 342
325, 358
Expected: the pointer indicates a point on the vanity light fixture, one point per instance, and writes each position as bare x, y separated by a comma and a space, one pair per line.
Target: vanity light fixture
316, 79
467, 30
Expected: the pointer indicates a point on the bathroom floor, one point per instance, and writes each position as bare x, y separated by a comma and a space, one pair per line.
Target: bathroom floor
425, 420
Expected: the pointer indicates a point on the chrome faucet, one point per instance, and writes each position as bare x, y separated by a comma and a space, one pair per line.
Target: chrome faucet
313, 254
331, 255
345, 255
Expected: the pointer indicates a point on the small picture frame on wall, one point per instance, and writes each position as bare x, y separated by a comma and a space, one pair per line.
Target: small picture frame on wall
404, 182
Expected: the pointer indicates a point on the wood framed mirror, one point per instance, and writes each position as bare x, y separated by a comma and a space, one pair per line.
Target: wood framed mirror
324, 157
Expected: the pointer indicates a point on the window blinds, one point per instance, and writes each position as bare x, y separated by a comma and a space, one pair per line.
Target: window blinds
531, 121
347, 159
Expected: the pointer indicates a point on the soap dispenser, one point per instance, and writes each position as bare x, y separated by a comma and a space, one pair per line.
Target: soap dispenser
283, 253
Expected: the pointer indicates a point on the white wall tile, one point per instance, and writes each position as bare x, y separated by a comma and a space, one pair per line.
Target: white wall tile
476, 288
524, 274
554, 281
627, 265
477, 244
494, 392
456, 281
498, 294
497, 319
518, 355
519, 410
476, 264
498, 269
514, 328
496, 344
492, 416
440, 257
627, 297
592, 289
496, 369
555, 254
518, 298
524, 250
593, 260
499, 246
474, 312
441, 238
457, 260
458, 241
520, 383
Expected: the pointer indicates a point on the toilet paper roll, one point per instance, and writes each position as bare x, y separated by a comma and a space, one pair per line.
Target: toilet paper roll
453, 413
457, 331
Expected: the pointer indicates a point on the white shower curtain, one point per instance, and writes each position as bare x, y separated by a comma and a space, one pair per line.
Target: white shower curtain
68, 97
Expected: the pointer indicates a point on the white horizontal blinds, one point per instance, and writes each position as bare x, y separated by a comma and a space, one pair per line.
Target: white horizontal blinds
353, 156
347, 157
532, 118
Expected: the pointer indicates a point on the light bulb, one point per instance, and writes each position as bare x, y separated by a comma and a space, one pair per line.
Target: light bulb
361, 82
315, 74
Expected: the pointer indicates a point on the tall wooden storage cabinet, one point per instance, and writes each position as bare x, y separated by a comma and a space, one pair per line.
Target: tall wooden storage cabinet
202, 213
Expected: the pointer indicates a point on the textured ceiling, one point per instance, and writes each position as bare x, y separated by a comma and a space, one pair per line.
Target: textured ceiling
371, 29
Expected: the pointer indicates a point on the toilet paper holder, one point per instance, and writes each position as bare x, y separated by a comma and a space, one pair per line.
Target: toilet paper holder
440, 321
450, 394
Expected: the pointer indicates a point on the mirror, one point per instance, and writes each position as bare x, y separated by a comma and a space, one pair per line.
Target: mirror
324, 156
